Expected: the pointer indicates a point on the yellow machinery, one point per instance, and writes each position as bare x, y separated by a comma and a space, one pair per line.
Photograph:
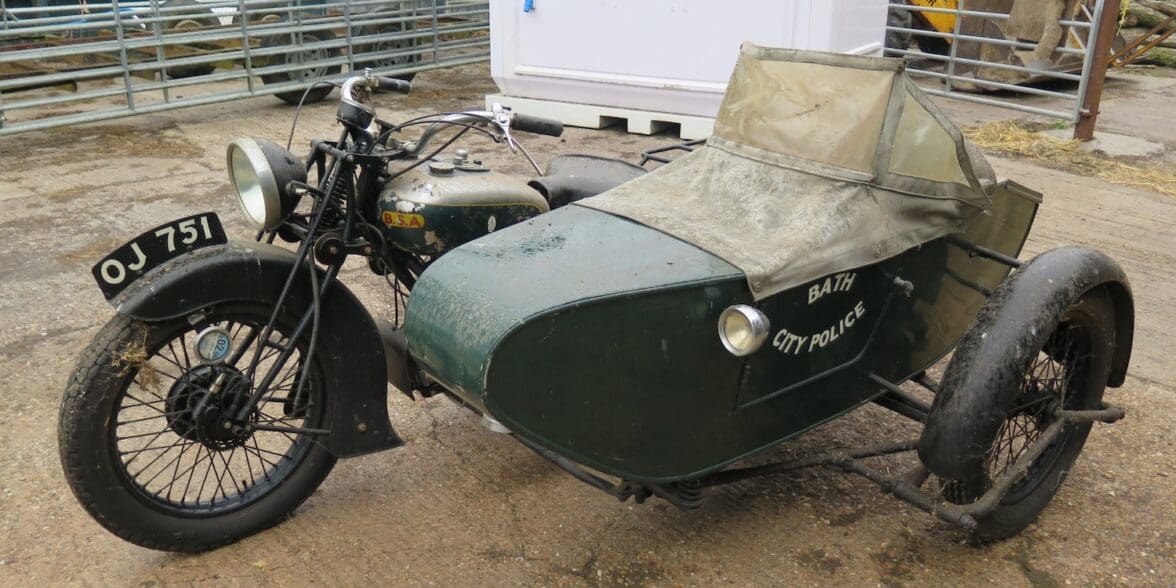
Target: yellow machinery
944, 23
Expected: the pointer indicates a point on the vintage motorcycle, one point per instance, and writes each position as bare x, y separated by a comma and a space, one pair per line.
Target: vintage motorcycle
836, 228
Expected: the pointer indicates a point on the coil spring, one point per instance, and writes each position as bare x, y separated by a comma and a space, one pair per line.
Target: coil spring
689, 493
343, 185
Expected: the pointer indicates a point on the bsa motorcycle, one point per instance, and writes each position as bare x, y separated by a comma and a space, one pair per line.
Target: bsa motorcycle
827, 246
234, 374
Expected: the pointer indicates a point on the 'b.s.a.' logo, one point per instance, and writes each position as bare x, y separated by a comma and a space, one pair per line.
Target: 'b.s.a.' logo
402, 220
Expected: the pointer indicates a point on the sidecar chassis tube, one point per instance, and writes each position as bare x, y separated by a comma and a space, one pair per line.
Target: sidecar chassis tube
908, 488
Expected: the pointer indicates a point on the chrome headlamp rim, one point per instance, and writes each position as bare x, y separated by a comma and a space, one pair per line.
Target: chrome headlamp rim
271, 200
757, 323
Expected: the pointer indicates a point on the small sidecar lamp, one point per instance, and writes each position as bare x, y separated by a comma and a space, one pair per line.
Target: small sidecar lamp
259, 171
743, 329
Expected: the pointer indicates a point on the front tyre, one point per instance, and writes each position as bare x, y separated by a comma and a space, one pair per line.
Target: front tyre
142, 439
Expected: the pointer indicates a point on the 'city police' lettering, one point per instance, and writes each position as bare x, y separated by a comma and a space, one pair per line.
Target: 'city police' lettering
795, 343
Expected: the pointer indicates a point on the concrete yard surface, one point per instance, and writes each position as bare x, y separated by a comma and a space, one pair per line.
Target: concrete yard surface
461, 506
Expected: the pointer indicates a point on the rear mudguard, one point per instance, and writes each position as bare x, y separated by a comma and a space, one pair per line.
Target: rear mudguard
348, 338
1032, 300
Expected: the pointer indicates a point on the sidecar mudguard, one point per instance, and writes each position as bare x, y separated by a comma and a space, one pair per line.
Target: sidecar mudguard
348, 338
967, 409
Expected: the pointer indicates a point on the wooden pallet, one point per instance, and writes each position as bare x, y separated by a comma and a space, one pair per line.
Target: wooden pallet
591, 116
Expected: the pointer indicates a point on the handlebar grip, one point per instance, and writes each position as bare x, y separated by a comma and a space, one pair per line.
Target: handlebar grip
387, 84
537, 125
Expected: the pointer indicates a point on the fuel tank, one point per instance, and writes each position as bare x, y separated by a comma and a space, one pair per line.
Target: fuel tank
444, 203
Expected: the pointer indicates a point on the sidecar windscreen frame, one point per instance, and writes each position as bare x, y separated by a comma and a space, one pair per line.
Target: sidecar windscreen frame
819, 163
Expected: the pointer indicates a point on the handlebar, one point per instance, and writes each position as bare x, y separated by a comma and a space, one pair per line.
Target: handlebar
468, 117
356, 112
372, 82
387, 84
537, 125
505, 120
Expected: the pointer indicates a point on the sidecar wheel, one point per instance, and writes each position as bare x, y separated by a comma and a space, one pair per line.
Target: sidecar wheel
156, 470
1063, 367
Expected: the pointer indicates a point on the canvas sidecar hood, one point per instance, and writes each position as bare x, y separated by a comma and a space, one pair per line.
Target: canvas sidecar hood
819, 163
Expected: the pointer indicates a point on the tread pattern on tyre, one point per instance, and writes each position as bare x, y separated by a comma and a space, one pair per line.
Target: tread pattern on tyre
97, 365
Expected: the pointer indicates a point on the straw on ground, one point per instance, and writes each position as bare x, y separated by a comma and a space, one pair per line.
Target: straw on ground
1011, 138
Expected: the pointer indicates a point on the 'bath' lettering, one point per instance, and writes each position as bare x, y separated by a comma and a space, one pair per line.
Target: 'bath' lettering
836, 283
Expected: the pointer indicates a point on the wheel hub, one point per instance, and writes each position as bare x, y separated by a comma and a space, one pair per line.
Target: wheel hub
200, 410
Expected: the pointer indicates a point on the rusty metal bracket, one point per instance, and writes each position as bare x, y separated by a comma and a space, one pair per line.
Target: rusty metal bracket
1001, 486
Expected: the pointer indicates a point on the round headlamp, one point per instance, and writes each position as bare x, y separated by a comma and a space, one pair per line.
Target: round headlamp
259, 172
743, 329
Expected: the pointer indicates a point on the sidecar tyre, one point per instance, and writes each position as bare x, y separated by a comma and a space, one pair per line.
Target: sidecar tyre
317, 93
997, 397
154, 474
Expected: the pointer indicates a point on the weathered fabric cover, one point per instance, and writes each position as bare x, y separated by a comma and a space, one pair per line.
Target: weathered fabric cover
819, 163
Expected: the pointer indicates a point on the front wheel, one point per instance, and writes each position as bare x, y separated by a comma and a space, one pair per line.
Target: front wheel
142, 436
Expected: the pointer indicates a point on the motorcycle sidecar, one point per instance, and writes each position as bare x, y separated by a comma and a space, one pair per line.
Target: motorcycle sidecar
843, 236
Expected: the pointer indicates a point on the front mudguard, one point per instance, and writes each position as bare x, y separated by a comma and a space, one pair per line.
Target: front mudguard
969, 406
348, 339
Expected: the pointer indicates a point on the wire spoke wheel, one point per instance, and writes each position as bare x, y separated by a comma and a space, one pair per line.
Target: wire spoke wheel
1060, 367
171, 430
1047, 386
150, 438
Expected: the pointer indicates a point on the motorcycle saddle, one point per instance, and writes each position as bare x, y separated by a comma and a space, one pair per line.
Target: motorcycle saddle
569, 178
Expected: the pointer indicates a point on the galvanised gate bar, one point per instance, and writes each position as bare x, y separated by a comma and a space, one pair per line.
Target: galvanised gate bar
976, 48
64, 62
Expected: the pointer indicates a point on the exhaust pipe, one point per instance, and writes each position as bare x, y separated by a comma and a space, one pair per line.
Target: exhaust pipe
396, 355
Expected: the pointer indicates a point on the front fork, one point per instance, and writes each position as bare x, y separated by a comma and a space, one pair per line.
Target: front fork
337, 185
239, 415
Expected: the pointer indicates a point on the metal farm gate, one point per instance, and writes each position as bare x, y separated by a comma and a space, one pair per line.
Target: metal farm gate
73, 61
981, 50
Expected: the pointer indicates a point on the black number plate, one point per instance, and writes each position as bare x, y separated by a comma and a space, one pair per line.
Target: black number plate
151, 249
